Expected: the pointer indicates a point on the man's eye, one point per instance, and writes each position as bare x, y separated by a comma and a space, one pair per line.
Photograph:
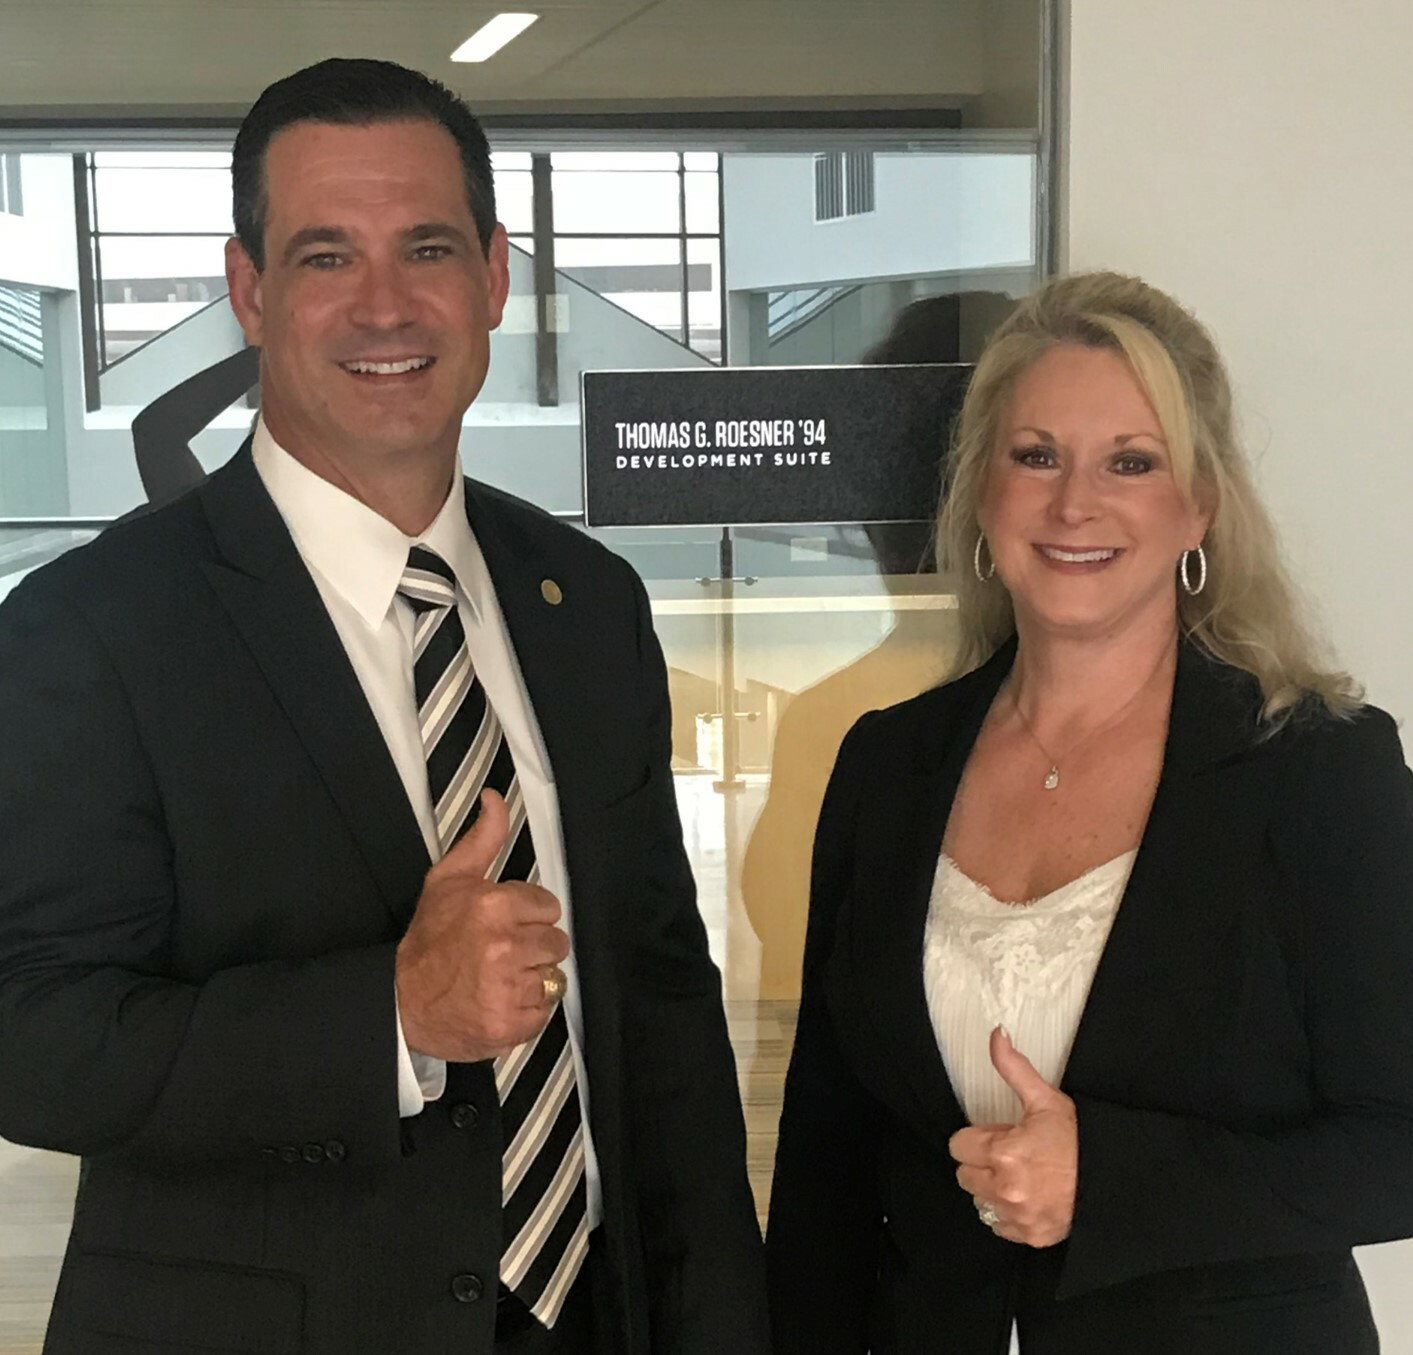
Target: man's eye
431, 251
1033, 456
321, 261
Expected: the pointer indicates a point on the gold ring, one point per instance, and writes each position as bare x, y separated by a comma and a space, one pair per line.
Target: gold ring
552, 976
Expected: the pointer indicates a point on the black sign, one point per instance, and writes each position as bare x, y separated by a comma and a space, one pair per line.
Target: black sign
727, 445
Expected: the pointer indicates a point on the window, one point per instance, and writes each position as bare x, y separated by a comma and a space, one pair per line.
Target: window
160, 223
11, 198
843, 184
643, 230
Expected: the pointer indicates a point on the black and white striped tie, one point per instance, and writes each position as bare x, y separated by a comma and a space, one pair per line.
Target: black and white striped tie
545, 1234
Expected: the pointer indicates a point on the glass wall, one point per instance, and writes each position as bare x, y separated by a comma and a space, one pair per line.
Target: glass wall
776, 638
641, 229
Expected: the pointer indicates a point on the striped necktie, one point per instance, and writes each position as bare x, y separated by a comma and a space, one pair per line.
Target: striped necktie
544, 1223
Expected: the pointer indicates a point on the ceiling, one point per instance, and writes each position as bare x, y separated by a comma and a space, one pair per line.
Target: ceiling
63, 59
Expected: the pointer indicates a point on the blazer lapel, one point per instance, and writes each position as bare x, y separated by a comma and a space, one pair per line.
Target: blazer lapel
1168, 943
263, 584
879, 961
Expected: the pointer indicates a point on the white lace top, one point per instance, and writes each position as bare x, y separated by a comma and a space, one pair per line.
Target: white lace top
1026, 967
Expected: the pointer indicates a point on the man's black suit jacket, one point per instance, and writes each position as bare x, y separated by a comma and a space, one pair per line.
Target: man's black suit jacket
1243, 1071
206, 860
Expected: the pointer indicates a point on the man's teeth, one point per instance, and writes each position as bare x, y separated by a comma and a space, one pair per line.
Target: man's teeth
1077, 557
388, 368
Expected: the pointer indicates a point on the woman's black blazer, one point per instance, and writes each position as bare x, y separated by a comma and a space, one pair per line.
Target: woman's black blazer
1243, 1071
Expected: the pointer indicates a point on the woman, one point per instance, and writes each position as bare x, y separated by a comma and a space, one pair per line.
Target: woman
1158, 1127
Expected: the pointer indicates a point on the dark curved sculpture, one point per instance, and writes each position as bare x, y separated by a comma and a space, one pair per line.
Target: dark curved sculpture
162, 433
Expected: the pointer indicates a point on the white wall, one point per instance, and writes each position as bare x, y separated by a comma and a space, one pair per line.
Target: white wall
934, 214
40, 247
1255, 159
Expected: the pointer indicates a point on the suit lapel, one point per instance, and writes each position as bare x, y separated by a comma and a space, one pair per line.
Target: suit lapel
538, 628
263, 585
526, 577
1169, 945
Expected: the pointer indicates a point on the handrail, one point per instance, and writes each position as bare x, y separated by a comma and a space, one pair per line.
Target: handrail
162, 334
821, 300
97, 524
608, 301
56, 524
187, 319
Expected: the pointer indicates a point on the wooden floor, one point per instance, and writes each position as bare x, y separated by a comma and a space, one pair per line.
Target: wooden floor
37, 1189
762, 1034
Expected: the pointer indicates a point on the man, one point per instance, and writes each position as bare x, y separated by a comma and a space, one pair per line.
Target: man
262, 962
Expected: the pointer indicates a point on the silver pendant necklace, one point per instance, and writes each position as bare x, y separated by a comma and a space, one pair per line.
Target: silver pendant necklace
1052, 777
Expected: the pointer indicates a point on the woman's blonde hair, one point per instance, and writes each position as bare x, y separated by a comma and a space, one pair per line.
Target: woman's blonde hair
1249, 614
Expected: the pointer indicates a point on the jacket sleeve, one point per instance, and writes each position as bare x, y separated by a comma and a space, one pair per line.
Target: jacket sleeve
1159, 1191
101, 1050
826, 1218
702, 1245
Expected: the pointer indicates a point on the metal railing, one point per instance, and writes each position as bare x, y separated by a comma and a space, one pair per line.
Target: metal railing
788, 311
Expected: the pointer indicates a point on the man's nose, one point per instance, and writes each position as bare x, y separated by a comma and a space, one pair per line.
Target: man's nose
382, 299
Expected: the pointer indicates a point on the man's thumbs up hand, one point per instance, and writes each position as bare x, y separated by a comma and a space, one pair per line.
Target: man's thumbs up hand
470, 972
475, 852
1023, 1175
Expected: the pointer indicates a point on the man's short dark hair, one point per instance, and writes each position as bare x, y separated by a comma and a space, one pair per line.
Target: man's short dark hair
354, 92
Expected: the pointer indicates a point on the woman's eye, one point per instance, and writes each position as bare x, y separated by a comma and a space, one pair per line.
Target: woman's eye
1033, 456
1133, 463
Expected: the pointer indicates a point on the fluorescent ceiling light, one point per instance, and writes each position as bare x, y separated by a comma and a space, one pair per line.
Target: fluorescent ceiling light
487, 40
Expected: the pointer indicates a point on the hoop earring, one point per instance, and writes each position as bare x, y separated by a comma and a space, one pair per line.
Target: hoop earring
1192, 589
976, 561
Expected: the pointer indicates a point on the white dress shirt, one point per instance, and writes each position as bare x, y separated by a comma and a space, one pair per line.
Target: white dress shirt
357, 558
1025, 966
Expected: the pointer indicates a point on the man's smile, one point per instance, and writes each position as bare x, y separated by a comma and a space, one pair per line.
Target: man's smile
387, 367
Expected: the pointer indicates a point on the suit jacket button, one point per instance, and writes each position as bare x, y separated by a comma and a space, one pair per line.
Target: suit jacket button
289, 1153
466, 1288
465, 1116
334, 1151
312, 1152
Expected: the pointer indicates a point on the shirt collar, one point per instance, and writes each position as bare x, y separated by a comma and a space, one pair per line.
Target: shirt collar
359, 553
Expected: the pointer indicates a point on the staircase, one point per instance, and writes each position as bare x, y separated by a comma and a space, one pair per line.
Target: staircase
789, 311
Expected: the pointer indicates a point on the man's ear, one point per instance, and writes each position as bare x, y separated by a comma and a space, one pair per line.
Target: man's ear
497, 276
247, 300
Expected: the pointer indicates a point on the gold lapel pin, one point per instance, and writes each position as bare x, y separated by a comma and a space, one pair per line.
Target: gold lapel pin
551, 592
